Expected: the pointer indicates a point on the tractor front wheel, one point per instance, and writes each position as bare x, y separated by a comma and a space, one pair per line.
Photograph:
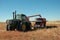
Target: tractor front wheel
8, 27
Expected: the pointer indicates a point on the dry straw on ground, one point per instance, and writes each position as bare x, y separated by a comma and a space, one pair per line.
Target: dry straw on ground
40, 34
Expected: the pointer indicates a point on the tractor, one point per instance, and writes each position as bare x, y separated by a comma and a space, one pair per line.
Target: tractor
19, 22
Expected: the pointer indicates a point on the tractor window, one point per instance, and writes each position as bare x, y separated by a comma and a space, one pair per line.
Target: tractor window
18, 17
23, 18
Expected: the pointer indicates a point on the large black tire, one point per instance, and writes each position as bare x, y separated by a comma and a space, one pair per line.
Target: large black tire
24, 27
10, 28
28, 26
19, 28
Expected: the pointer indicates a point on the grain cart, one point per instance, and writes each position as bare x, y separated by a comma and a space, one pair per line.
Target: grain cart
40, 22
19, 22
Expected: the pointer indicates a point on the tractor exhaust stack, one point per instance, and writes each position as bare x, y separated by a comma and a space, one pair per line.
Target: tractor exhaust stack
14, 15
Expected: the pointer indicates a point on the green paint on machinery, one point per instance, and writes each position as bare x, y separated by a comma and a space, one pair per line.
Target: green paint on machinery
19, 22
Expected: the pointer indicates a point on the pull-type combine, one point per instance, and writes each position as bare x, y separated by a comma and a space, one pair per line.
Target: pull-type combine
39, 22
21, 22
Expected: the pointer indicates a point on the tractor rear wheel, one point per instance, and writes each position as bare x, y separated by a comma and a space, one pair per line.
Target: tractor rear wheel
23, 27
28, 25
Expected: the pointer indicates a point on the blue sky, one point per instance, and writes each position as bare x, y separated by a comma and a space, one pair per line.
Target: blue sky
49, 9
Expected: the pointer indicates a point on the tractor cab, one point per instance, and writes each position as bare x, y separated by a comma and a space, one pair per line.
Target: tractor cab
22, 17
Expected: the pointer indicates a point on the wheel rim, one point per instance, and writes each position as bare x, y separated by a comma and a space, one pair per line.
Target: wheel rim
23, 27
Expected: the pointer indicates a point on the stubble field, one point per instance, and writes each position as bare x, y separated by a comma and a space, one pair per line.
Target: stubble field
51, 32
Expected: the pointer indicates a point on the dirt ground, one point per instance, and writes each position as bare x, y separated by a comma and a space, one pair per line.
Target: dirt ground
51, 32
